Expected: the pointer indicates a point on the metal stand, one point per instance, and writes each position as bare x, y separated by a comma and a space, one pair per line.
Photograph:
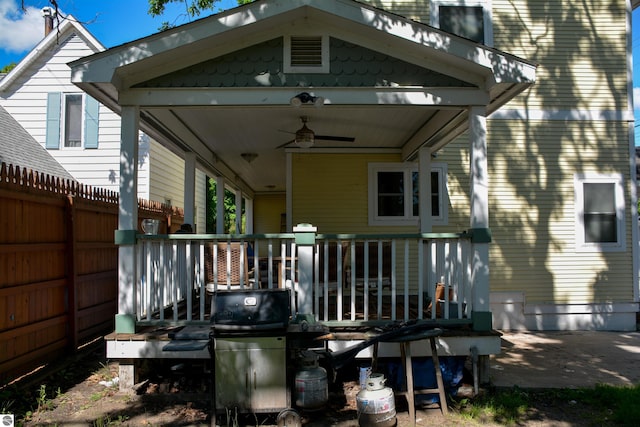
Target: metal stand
405, 354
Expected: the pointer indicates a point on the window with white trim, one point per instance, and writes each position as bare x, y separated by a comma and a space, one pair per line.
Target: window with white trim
72, 121
600, 210
394, 194
466, 18
306, 54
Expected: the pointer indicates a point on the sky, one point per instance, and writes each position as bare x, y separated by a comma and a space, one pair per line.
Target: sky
114, 22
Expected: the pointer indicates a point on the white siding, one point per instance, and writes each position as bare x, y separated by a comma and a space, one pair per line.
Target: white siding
26, 101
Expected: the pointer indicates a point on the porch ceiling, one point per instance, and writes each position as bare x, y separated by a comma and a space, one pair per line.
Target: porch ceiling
221, 123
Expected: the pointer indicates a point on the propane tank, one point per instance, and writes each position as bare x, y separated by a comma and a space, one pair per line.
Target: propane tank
311, 388
376, 404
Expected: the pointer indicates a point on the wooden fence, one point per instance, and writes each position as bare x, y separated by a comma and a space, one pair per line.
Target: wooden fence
58, 265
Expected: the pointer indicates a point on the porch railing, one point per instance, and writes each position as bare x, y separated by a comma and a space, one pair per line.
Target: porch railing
356, 278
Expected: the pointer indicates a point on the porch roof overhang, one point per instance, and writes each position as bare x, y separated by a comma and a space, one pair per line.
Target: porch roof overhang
221, 123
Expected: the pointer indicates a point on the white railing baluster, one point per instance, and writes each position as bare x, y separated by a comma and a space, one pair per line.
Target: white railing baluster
421, 261
393, 279
380, 278
339, 278
365, 286
406, 280
352, 261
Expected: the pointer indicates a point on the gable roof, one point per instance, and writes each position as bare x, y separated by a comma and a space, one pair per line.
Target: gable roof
68, 26
219, 119
19, 148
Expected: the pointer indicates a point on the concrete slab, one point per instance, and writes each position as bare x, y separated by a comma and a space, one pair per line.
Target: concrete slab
566, 359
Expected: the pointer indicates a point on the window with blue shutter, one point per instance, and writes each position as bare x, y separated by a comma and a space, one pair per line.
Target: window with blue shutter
91, 112
52, 140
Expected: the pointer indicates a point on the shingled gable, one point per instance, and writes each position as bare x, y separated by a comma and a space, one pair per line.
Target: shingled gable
378, 61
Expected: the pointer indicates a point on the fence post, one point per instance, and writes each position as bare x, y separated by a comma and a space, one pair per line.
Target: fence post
72, 276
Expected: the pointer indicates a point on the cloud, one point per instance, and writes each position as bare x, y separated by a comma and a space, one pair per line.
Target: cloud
636, 98
21, 31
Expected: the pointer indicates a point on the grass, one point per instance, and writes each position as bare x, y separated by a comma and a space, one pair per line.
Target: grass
602, 405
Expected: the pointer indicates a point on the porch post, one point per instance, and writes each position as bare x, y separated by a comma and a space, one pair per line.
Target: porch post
125, 235
305, 237
238, 211
479, 192
424, 189
189, 187
219, 205
249, 215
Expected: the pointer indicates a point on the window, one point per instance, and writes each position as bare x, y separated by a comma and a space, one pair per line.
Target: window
394, 194
466, 18
72, 121
306, 54
599, 204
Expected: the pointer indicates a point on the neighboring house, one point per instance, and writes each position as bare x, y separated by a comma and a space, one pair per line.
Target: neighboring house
18, 148
520, 130
81, 134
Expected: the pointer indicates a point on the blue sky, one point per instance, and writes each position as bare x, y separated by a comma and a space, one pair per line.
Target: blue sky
114, 22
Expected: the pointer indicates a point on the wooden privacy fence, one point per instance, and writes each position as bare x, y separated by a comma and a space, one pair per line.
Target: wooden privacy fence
58, 265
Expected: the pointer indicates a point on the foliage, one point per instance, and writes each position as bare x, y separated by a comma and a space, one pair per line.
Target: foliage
193, 8
229, 209
8, 67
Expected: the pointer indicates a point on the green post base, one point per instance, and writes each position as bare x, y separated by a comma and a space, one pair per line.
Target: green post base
125, 324
481, 320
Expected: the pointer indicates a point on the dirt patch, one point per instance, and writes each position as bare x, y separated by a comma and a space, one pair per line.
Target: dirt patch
84, 392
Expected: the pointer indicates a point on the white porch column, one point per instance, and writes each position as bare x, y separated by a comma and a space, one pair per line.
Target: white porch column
249, 215
189, 188
125, 235
238, 211
424, 188
219, 205
479, 221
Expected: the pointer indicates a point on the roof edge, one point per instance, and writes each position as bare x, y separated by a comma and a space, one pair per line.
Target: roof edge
68, 24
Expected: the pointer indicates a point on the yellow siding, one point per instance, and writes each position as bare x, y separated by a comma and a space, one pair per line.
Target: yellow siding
532, 213
418, 10
330, 191
267, 213
580, 48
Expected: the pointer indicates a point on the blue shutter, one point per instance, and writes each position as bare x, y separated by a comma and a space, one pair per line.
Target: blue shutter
91, 112
52, 140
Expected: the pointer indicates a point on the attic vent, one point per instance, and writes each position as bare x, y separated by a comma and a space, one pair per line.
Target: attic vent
306, 54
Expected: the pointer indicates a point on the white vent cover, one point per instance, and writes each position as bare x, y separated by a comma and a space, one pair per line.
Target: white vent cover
306, 54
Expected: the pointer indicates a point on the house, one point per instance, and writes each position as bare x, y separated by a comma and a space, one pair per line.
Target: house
82, 135
334, 117
17, 147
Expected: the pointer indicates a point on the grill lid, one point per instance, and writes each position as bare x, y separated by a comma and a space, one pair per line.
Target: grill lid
257, 309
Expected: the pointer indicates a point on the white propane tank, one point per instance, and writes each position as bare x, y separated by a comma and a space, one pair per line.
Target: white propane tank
376, 404
311, 388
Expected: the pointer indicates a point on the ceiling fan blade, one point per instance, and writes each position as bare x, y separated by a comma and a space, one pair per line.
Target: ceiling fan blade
285, 144
335, 138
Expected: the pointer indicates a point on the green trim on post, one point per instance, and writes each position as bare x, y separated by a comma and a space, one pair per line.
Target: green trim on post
481, 320
125, 237
480, 235
125, 324
305, 234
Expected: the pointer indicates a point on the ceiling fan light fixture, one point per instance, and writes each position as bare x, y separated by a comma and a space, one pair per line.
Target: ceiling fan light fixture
306, 98
305, 137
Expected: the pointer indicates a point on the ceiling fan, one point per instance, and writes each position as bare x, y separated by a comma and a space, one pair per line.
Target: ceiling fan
306, 138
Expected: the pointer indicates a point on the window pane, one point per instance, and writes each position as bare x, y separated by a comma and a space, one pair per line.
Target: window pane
465, 21
600, 220
72, 120
390, 194
415, 193
600, 228
435, 194
599, 198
